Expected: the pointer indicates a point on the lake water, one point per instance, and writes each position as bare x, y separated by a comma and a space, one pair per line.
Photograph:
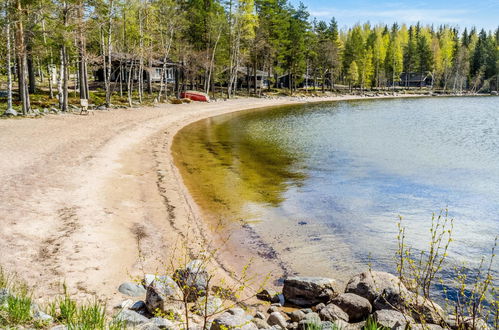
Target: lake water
324, 184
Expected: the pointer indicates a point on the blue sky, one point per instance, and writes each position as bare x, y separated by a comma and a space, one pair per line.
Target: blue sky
479, 13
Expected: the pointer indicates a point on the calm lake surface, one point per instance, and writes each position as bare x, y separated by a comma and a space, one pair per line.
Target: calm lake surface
324, 184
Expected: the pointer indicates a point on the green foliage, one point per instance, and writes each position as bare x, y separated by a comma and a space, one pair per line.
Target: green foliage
371, 324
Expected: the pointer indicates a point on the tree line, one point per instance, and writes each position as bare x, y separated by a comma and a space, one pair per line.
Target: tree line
50, 41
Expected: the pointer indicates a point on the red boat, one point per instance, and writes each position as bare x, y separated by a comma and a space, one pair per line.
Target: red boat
195, 96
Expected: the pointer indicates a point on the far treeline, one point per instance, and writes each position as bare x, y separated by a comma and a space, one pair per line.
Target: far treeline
58, 46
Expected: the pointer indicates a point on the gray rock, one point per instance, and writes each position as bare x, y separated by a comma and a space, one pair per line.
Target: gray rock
234, 318
10, 112
210, 307
125, 304
357, 307
164, 295
138, 306
4, 294
292, 326
277, 318
272, 309
392, 319
132, 289
333, 313
148, 326
310, 320
371, 284
309, 291
296, 316
59, 327
478, 324
41, 316
163, 323
193, 279
318, 307
259, 315
261, 324
131, 318
424, 327
336, 325
307, 310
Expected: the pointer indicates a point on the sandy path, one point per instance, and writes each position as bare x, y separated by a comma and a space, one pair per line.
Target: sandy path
74, 190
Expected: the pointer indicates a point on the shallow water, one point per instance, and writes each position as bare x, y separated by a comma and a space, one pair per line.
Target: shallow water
324, 184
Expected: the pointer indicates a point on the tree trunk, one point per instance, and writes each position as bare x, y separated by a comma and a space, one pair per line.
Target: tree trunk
107, 74
21, 60
82, 63
9, 64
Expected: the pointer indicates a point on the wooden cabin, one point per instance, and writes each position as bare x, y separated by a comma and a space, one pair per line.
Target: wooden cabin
414, 79
300, 81
246, 76
152, 69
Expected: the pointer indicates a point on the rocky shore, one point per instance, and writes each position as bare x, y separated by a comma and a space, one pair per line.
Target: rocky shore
187, 300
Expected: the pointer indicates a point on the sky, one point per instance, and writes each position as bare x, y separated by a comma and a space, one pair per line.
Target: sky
460, 13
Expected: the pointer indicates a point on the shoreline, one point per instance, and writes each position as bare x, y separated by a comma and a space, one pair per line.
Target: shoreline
76, 190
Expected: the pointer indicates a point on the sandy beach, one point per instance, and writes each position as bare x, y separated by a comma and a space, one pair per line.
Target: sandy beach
77, 190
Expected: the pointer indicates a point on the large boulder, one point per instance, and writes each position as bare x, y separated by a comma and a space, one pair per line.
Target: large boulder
333, 313
297, 316
163, 295
357, 307
193, 280
392, 319
309, 291
421, 309
234, 318
371, 284
208, 306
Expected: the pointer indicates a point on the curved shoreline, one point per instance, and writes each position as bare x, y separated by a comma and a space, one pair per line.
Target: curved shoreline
76, 191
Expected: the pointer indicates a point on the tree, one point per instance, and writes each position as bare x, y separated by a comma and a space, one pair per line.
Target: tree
353, 74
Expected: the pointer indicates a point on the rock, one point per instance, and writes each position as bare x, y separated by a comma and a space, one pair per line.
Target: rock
10, 112
54, 110
4, 294
493, 93
125, 304
261, 324
309, 291
101, 107
163, 323
41, 316
259, 315
333, 313
371, 284
318, 307
148, 326
59, 327
336, 325
272, 309
425, 327
276, 318
210, 307
392, 319
193, 279
392, 298
278, 299
132, 289
138, 306
265, 295
478, 324
292, 326
425, 310
131, 318
357, 307
164, 295
307, 310
234, 318
309, 322
296, 316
